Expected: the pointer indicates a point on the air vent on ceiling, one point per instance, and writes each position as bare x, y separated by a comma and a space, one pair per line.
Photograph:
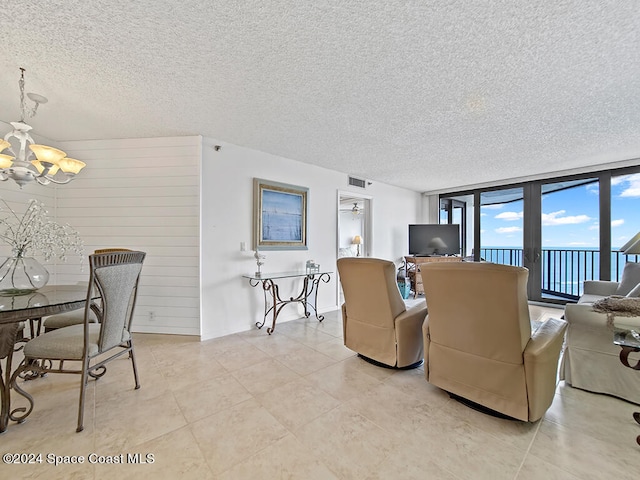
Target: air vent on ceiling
357, 182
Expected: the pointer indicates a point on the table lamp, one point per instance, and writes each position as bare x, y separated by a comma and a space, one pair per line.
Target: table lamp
632, 247
357, 240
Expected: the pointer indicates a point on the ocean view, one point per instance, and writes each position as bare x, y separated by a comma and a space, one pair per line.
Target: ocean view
564, 269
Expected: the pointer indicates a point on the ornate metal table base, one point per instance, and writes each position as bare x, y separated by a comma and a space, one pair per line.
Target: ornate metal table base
8, 337
273, 303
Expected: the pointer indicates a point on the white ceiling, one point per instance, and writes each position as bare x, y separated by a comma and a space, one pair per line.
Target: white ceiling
426, 95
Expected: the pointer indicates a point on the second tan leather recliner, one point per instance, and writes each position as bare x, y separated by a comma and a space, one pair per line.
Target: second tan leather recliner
376, 323
478, 341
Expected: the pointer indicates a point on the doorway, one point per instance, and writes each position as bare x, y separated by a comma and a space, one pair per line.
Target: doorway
354, 232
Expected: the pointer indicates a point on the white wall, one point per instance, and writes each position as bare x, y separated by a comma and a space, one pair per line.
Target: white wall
430, 209
189, 207
142, 194
393, 210
229, 304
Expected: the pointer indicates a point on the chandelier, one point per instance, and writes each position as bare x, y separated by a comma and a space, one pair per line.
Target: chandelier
39, 163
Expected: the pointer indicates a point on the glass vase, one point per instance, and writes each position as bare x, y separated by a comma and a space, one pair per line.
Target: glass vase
22, 275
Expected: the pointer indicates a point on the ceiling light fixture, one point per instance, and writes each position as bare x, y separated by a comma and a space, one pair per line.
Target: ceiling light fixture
40, 163
355, 210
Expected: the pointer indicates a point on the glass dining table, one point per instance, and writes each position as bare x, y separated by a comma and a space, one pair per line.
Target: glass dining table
32, 307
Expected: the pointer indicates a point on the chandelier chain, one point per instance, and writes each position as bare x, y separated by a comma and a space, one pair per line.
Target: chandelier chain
23, 104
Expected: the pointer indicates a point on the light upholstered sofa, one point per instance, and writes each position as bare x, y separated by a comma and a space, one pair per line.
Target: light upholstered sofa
591, 360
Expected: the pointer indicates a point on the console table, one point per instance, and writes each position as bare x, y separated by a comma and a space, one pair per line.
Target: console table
273, 303
413, 263
629, 343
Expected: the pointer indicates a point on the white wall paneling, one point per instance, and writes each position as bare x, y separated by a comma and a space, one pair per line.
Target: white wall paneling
142, 194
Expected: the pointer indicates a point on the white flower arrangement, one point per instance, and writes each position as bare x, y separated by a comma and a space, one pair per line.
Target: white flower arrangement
34, 233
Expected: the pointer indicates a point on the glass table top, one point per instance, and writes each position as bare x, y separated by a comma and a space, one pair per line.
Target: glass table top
627, 338
46, 301
291, 274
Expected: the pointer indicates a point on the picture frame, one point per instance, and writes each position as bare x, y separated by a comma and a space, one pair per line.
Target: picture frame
279, 215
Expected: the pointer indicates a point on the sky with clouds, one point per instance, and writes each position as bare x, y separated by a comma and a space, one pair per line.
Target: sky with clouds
570, 217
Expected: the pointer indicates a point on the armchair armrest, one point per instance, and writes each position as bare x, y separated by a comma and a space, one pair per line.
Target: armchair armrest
545, 339
412, 317
600, 287
426, 342
541, 365
582, 314
407, 324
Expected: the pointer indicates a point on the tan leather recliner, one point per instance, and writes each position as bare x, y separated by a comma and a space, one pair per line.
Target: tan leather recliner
376, 323
478, 341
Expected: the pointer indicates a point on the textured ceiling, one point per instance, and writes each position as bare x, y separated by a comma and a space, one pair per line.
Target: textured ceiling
422, 94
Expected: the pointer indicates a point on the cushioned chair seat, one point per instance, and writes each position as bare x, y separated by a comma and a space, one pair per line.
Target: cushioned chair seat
66, 319
66, 343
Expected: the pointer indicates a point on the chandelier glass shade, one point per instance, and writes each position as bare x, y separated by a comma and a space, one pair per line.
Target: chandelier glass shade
24, 161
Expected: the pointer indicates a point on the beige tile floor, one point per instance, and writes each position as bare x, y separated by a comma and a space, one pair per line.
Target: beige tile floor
299, 405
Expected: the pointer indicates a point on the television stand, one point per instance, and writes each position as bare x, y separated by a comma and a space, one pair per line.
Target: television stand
413, 262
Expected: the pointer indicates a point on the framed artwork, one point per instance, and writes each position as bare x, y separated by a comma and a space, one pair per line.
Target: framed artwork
280, 216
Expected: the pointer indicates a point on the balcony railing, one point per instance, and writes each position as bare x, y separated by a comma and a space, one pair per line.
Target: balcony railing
564, 271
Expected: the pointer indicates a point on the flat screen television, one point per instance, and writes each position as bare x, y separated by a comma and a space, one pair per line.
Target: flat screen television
434, 239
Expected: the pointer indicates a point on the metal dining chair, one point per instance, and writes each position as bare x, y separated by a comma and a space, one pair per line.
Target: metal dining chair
75, 317
114, 277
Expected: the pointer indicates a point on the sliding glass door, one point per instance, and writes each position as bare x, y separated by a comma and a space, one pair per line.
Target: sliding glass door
502, 226
570, 237
565, 231
550, 228
509, 231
